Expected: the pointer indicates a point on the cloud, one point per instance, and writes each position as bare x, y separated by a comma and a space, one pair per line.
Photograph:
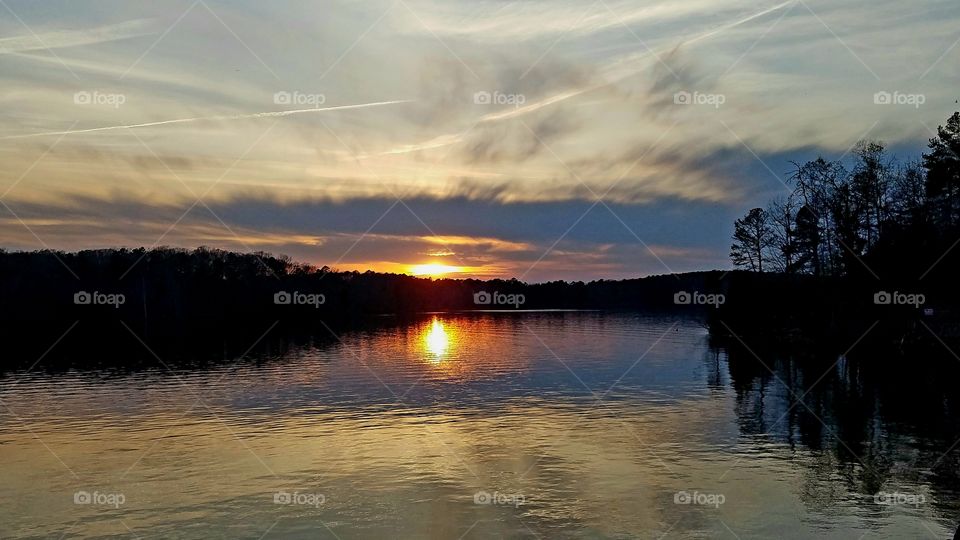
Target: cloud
59, 39
497, 22
507, 238
268, 114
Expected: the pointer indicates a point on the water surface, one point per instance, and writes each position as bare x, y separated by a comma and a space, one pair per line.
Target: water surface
492, 425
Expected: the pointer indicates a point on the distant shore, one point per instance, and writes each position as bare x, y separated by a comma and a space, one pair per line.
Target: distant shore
170, 292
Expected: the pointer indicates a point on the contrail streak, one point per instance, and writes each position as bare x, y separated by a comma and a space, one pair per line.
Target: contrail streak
614, 75
739, 22
202, 118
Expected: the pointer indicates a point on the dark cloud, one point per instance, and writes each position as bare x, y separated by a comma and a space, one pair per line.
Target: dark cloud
478, 232
517, 141
140, 159
677, 72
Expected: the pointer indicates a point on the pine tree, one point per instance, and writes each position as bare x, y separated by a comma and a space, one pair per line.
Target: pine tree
752, 238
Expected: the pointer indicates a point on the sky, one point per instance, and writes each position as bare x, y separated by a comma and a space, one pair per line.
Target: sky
536, 139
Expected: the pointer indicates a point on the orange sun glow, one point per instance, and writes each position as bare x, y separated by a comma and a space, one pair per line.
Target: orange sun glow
434, 269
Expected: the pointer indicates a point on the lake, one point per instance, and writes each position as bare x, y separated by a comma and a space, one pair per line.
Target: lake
483, 425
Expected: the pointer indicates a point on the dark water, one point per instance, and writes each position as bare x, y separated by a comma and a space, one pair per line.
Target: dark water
535, 425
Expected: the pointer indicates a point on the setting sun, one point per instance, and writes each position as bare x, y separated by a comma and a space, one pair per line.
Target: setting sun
434, 269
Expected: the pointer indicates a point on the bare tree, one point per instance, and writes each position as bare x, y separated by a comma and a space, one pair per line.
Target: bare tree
782, 212
870, 187
908, 202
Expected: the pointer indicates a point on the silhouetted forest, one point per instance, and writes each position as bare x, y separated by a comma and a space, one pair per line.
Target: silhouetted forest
170, 288
884, 217
883, 232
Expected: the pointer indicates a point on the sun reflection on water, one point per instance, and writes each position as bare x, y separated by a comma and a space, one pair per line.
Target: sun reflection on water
436, 340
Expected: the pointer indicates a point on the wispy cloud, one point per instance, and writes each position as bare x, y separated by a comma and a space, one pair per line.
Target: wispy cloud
59, 39
267, 114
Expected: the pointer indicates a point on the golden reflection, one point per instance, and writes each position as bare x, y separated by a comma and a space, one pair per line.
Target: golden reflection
460, 348
437, 340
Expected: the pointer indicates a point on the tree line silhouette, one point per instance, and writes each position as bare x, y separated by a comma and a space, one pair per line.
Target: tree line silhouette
171, 290
827, 258
881, 215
